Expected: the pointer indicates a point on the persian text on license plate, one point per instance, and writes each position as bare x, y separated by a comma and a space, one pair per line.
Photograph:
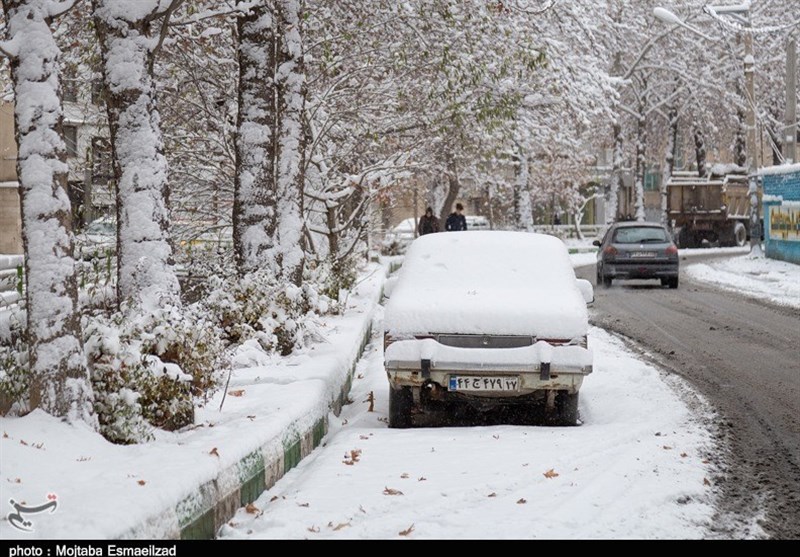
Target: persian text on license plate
483, 383
643, 254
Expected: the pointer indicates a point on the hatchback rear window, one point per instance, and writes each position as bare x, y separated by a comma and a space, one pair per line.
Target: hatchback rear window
639, 234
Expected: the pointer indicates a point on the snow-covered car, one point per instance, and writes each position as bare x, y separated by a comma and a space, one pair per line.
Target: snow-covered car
479, 320
99, 239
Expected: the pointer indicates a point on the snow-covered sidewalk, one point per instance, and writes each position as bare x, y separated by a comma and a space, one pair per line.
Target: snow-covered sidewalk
274, 413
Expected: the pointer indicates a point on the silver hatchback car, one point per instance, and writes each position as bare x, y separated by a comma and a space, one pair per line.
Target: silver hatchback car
637, 250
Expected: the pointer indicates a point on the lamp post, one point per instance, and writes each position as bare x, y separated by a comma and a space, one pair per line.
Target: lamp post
741, 13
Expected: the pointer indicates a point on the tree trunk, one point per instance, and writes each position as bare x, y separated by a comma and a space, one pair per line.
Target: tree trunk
669, 161
59, 377
700, 151
145, 271
641, 164
291, 92
452, 191
523, 212
255, 196
740, 141
612, 199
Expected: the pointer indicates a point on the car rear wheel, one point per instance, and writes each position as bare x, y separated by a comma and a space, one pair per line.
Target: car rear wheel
400, 403
565, 412
606, 281
673, 282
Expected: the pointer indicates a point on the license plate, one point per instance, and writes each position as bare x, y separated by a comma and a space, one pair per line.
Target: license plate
483, 383
641, 254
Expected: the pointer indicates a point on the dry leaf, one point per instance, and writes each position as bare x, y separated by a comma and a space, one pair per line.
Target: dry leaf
706, 482
371, 400
313, 529
362, 509
684, 455
404, 475
496, 436
390, 491
364, 437
705, 461
353, 457
83, 458
274, 498
422, 479
5, 435
251, 418
252, 509
522, 502
340, 526
360, 376
667, 448
492, 494
21, 442
214, 452
550, 474
407, 531
302, 505
141, 482
237, 392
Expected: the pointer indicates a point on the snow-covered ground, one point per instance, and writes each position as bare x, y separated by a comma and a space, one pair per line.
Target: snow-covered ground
636, 468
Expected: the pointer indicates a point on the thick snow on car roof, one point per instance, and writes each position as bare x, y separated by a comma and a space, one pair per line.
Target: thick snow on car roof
487, 282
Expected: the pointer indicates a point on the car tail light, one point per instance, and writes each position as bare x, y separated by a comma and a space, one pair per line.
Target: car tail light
610, 250
555, 341
671, 250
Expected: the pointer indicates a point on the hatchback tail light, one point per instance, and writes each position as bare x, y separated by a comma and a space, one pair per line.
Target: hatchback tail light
610, 250
671, 250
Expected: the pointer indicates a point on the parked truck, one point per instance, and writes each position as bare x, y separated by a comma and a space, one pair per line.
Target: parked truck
710, 210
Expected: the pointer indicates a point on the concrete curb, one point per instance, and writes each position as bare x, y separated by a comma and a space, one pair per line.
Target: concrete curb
201, 514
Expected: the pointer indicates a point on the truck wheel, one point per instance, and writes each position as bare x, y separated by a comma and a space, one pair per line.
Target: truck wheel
400, 403
740, 234
673, 282
566, 410
606, 281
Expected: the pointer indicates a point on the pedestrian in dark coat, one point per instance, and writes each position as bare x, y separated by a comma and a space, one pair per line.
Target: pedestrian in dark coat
428, 223
456, 220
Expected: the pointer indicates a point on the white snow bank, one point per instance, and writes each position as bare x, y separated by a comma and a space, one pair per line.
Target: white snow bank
482, 282
780, 169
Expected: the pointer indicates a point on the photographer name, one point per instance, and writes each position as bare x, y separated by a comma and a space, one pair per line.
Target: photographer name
112, 550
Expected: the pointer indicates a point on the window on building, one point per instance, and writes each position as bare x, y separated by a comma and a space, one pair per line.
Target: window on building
71, 139
101, 160
97, 91
69, 90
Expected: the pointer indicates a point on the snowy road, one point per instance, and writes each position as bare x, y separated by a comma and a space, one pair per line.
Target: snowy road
638, 467
743, 355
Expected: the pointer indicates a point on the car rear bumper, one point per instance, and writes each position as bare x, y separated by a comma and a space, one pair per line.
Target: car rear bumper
529, 382
639, 269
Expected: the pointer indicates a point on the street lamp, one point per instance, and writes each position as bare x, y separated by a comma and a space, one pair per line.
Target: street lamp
741, 13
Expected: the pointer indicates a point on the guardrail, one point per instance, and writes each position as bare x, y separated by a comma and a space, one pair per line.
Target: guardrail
10, 279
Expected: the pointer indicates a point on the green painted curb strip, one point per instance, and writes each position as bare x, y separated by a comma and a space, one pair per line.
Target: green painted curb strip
201, 514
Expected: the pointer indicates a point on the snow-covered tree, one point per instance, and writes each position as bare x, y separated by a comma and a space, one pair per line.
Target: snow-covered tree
130, 35
59, 379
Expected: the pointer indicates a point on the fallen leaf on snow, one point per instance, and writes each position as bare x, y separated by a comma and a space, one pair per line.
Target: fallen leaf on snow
252, 509
667, 448
390, 491
422, 479
353, 457
521, 502
214, 452
251, 418
706, 482
550, 474
684, 455
407, 531
274, 498
362, 509
302, 505
237, 392
496, 436
83, 458
5, 435
492, 494
340, 526
21, 442
15, 481
404, 475
363, 437
313, 529
141, 482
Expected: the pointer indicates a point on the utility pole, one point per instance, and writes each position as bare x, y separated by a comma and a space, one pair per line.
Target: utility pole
752, 148
790, 134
